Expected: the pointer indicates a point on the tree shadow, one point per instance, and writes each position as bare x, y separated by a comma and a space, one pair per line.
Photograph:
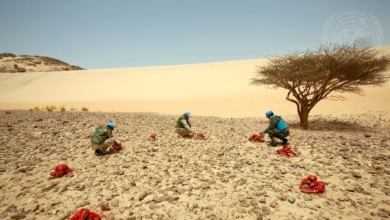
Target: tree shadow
332, 125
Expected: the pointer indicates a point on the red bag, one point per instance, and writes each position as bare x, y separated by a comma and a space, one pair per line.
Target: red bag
60, 171
286, 151
256, 138
85, 214
311, 185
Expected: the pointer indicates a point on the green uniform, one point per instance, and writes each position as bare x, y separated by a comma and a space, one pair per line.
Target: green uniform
102, 138
183, 127
277, 128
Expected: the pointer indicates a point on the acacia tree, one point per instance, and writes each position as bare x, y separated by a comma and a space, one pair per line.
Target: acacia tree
313, 76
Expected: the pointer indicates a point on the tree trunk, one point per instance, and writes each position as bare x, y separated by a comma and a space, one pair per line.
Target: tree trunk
304, 117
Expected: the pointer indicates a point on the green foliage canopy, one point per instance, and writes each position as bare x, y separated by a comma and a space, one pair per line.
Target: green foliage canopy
313, 76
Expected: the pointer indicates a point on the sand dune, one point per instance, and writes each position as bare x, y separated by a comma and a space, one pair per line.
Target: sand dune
219, 89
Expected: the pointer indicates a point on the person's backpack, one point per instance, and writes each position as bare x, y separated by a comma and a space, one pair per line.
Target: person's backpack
100, 135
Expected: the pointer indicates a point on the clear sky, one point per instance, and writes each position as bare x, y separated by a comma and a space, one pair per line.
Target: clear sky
96, 34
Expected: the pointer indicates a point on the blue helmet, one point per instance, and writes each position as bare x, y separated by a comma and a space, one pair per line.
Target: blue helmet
111, 125
269, 113
187, 113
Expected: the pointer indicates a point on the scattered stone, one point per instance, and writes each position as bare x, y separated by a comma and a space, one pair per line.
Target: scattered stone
273, 204
356, 174
205, 185
82, 204
11, 207
108, 196
283, 197
246, 180
142, 195
22, 170
301, 204
104, 207
386, 191
262, 200
115, 203
159, 199
119, 172
172, 198
383, 214
307, 197
266, 210
244, 204
18, 216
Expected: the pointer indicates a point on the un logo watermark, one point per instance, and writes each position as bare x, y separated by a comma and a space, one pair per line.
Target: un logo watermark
352, 26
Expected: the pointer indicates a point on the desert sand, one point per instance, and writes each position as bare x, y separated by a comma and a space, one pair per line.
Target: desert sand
224, 176
211, 89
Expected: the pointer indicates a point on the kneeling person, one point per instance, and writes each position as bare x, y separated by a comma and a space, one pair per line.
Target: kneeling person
277, 128
183, 125
103, 139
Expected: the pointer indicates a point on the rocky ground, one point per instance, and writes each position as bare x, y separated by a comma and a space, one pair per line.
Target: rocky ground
222, 177
11, 63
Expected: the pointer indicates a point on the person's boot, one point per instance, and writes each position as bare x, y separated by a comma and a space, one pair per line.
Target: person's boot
105, 152
272, 144
101, 152
285, 141
98, 152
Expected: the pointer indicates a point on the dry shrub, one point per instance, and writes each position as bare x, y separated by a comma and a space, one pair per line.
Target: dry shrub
84, 109
8, 112
51, 108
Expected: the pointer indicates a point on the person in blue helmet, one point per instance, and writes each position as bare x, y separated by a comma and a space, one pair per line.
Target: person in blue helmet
103, 138
277, 128
183, 125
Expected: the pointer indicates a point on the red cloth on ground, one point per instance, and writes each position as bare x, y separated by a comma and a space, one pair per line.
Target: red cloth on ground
199, 135
311, 185
286, 151
60, 170
85, 214
152, 137
115, 147
256, 138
